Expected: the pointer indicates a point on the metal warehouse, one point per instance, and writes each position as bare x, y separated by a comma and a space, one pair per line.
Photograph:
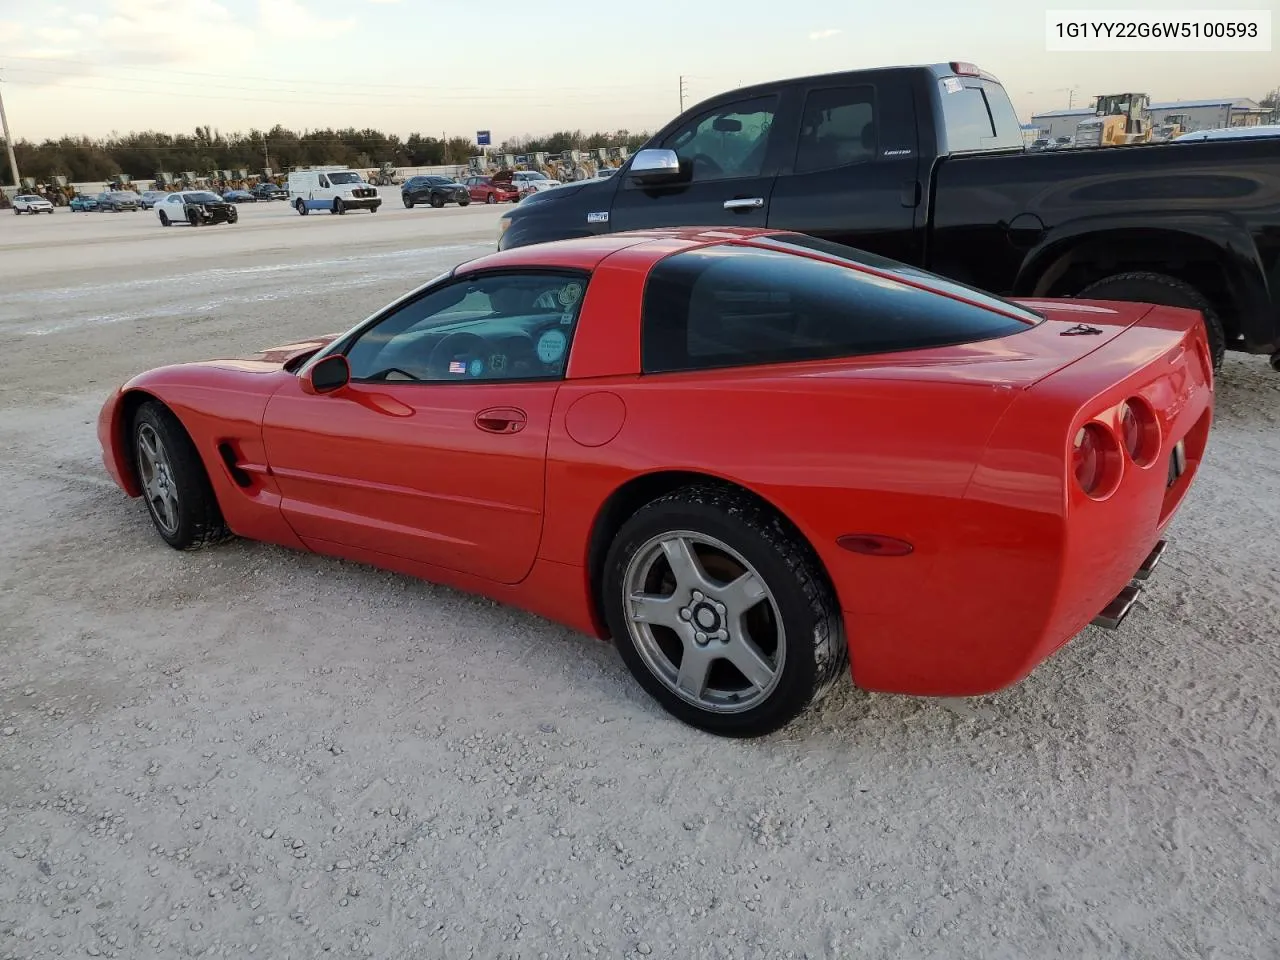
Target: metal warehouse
1211, 114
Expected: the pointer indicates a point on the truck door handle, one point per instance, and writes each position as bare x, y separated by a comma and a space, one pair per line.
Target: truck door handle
744, 203
911, 193
501, 420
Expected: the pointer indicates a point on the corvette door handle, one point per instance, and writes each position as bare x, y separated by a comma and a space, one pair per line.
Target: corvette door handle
744, 203
501, 420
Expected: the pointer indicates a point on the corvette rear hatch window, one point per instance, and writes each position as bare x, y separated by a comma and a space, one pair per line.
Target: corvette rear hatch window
732, 305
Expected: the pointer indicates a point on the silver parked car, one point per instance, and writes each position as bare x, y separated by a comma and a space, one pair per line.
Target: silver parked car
119, 200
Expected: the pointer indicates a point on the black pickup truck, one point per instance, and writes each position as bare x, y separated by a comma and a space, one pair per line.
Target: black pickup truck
926, 165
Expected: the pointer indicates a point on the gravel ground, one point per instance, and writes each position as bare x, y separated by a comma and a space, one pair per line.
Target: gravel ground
246, 751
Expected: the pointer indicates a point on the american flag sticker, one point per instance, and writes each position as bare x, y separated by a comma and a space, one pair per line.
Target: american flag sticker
457, 366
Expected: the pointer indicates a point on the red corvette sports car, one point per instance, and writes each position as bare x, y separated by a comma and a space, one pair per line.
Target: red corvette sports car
752, 458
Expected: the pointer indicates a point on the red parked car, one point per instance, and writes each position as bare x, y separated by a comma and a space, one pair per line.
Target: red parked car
751, 458
489, 190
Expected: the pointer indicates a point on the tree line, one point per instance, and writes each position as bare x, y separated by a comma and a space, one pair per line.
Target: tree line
142, 155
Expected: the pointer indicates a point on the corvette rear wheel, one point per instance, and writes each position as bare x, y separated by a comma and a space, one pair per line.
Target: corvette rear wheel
174, 484
722, 612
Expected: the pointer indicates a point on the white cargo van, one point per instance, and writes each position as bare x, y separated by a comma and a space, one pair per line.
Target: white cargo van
336, 189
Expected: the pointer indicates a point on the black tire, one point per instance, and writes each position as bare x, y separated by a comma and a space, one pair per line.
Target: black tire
1159, 288
198, 518
193, 218
464, 203
816, 653
233, 215
408, 203
301, 207
164, 219
437, 201
338, 206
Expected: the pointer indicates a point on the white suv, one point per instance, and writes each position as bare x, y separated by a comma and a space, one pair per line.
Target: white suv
30, 203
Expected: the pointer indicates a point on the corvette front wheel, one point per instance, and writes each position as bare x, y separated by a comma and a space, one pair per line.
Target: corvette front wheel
174, 484
722, 612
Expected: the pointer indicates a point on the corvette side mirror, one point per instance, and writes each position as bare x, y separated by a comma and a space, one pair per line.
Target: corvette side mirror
330, 374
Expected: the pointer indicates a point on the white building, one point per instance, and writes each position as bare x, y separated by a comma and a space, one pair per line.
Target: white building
1060, 123
1211, 114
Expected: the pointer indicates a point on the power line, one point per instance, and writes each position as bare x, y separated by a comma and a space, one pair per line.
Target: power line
363, 99
419, 88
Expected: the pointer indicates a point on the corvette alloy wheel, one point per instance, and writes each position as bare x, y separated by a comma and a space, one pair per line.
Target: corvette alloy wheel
704, 621
159, 485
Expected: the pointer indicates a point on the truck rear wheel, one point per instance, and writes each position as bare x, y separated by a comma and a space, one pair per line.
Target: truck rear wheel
1164, 290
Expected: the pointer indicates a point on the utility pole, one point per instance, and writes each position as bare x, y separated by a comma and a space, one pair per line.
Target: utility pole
8, 142
682, 82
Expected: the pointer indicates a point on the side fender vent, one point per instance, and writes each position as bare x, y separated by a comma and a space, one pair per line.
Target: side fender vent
228, 455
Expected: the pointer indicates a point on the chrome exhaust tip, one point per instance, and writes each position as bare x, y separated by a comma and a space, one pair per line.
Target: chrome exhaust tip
1153, 560
1115, 612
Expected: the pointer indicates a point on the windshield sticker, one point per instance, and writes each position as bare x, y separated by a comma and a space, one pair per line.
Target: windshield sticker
477, 367
570, 294
457, 366
551, 346
598, 216
952, 85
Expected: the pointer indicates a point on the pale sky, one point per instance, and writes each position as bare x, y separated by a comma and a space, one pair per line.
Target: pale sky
529, 67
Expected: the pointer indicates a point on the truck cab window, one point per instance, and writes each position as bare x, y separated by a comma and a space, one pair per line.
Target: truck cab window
838, 128
727, 142
977, 115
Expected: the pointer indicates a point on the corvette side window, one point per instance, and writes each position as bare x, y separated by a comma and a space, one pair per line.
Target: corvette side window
501, 326
711, 307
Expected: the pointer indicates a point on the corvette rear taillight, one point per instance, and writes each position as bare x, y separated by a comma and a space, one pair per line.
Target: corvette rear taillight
1095, 460
1139, 431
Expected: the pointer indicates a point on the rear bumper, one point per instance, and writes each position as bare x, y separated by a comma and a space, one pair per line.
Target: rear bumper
1029, 561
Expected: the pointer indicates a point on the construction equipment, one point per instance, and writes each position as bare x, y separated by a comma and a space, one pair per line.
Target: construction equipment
386, 176
1173, 126
1119, 118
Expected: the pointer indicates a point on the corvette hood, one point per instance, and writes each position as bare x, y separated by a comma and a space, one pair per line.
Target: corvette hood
285, 353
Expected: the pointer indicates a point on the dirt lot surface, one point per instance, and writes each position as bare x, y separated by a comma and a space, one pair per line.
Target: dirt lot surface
246, 751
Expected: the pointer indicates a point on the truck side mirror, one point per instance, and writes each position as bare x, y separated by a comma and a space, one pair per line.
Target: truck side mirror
654, 166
